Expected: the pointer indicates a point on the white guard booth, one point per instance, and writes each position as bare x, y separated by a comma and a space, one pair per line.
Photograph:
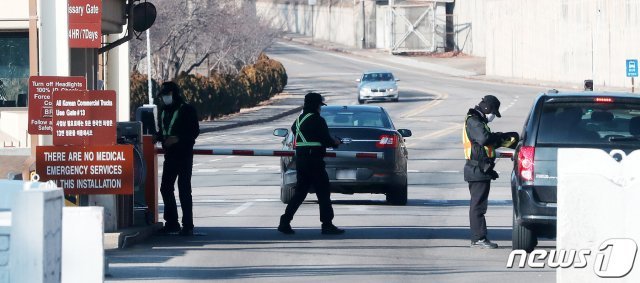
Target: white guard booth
598, 215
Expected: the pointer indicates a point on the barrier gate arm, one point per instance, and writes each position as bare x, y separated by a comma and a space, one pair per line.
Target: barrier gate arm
278, 153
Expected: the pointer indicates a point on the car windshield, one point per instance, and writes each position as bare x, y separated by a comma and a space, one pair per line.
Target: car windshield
590, 123
377, 77
349, 118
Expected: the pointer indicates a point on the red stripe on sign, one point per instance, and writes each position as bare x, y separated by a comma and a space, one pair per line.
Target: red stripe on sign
330, 154
242, 152
283, 153
203, 151
366, 155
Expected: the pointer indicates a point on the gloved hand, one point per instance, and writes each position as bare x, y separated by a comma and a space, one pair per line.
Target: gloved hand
509, 139
494, 174
337, 141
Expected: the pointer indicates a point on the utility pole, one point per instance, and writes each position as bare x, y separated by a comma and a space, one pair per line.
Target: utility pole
150, 84
364, 28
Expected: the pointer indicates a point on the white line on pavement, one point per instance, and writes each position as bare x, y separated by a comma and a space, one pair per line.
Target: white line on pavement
214, 160
248, 170
207, 170
240, 208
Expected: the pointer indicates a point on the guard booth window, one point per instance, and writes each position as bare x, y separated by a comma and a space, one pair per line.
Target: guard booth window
14, 69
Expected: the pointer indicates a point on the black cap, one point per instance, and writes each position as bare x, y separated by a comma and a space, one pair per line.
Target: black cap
492, 105
169, 87
313, 99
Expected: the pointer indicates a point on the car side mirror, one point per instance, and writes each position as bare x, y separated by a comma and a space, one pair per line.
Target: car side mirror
405, 133
357, 80
280, 132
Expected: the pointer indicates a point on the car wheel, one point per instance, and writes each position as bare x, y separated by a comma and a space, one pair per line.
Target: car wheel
395, 99
360, 101
522, 237
397, 195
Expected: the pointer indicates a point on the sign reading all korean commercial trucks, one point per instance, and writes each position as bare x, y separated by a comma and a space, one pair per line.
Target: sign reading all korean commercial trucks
87, 170
85, 23
84, 117
41, 89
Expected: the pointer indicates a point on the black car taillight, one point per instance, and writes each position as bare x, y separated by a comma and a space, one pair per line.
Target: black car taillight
387, 141
526, 164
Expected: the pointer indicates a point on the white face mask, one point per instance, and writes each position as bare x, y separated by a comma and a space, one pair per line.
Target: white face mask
490, 117
167, 99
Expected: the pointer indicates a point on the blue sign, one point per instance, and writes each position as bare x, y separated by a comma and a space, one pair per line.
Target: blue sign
632, 68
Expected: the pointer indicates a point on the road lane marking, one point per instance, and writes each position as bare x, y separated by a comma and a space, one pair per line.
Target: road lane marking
240, 208
248, 170
207, 170
439, 98
413, 171
253, 130
214, 160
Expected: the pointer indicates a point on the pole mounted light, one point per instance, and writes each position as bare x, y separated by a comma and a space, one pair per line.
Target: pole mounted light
140, 17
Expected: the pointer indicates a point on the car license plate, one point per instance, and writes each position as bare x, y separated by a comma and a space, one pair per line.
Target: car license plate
345, 174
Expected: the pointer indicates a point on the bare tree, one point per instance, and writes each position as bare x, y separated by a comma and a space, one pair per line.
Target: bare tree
224, 34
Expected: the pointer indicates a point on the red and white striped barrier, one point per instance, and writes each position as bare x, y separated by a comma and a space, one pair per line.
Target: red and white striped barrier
280, 153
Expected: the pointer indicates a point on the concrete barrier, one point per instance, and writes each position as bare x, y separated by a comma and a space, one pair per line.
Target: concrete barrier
82, 245
30, 232
598, 209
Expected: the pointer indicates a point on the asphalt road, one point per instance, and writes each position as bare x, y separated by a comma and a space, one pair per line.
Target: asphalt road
237, 207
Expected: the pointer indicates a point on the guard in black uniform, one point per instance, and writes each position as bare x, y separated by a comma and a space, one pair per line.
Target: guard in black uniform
178, 124
311, 140
479, 151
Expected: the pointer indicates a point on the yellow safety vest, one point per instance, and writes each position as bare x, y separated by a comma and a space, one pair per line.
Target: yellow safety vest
466, 142
303, 141
167, 131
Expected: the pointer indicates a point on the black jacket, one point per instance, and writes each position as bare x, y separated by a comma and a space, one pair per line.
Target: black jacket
315, 129
478, 134
185, 127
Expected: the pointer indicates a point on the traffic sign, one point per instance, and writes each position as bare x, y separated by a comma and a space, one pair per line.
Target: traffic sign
632, 67
84, 117
41, 89
87, 170
85, 23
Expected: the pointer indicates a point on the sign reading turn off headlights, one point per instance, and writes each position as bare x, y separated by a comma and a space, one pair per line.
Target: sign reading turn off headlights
41, 89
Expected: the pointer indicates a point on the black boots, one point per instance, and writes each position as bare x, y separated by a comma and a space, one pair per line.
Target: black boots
285, 227
330, 229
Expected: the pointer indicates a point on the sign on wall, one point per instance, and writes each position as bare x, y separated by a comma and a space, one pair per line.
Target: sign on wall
632, 68
84, 117
85, 23
87, 170
41, 89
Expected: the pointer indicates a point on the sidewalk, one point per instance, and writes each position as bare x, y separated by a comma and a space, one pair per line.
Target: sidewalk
462, 65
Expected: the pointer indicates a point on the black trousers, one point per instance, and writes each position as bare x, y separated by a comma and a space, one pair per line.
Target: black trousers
177, 166
310, 171
477, 208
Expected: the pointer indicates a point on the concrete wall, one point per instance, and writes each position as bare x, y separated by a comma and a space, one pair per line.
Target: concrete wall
552, 40
335, 22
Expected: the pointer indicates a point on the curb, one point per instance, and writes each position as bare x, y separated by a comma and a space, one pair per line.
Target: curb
129, 236
252, 122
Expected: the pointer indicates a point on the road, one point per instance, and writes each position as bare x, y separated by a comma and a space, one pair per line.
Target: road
237, 207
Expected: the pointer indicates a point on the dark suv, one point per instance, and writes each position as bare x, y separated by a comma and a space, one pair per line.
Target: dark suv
605, 121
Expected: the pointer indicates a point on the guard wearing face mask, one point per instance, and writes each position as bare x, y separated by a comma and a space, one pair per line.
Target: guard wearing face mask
479, 151
178, 130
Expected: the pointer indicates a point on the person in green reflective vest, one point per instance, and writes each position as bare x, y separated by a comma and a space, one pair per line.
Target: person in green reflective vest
311, 141
178, 130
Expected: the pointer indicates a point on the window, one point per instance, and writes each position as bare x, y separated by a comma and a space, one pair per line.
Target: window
14, 69
356, 119
616, 123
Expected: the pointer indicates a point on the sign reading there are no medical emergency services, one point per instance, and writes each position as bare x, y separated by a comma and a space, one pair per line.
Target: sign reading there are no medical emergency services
84, 117
87, 170
85, 23
41, 89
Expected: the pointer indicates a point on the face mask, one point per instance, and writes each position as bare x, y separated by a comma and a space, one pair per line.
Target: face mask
167, 99
490, 117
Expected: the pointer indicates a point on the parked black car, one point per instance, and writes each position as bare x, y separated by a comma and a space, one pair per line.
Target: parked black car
362, 129
607, 121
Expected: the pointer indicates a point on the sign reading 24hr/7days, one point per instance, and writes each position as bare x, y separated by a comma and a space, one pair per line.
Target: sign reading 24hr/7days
84, 117
85, 23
